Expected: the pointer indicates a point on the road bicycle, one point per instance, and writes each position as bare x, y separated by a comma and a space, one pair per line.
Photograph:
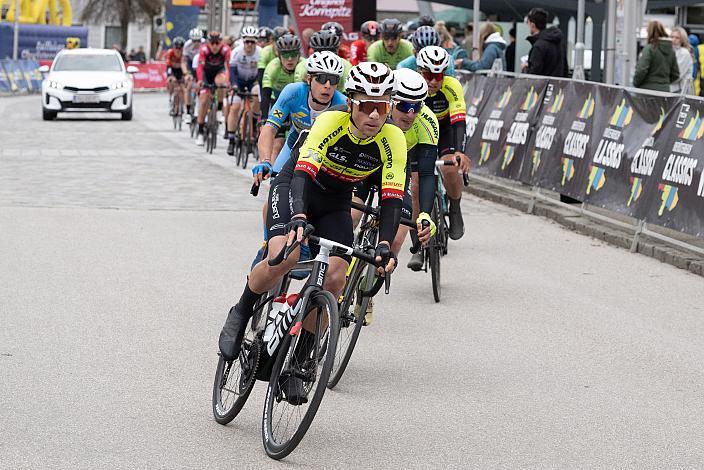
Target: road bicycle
278, 348
246, 131
210, 133
177, 105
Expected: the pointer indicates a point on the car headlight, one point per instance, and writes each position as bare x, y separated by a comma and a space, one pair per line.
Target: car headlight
55, 84
118, 85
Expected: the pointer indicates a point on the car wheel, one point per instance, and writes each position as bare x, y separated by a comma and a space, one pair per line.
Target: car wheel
48, 115
127, 114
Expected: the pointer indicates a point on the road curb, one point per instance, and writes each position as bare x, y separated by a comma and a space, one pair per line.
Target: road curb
582, 223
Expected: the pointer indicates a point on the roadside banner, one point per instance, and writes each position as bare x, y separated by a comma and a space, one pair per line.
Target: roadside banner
315, 13
5, 85
18, 83
150, 76
32, 76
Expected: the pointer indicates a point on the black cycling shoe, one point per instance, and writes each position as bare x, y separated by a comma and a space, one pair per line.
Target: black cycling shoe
232, 333
416, 261
231, 147
456, 222
294, 390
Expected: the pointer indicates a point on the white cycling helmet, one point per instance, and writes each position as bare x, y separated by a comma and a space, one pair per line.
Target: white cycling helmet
370, 78
410, 86
249, 32
434, 58
324, 62
195, 34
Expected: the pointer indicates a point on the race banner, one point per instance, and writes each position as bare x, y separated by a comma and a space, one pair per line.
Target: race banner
5, 84
565, 165
315, 13
18, 83
476, 89
673, 196
498, 145
623, 157
150, 76
181, 16
30, 71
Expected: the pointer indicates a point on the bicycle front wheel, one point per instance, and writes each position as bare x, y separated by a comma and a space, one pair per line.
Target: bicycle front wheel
351, 321
299, 376
247, 145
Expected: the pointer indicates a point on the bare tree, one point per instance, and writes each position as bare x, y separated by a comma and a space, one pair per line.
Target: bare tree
122, 11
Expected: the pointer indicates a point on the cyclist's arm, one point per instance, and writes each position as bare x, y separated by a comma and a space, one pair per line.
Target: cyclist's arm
184, 65
265, 143
227, 63
266, 100
458, 113
426, 155
201, 64
394, 162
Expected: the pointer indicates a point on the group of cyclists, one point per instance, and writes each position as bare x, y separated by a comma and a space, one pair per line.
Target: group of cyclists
333, 121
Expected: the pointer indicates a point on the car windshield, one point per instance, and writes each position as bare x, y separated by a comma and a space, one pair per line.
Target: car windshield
88, 63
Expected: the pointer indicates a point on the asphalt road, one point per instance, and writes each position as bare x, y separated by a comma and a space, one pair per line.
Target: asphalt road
122, 246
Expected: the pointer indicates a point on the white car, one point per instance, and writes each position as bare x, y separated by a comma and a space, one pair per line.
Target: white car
87, 80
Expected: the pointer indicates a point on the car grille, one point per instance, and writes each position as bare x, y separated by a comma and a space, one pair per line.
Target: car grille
99, 89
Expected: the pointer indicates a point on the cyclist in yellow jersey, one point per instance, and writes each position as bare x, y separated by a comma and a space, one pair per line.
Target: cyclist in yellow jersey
446, 100
341, 149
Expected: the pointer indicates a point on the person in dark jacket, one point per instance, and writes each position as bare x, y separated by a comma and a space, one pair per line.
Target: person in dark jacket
548, 56
511, 51
657, 65
491, 47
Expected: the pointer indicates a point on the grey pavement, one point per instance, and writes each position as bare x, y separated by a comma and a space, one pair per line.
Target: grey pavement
122, 247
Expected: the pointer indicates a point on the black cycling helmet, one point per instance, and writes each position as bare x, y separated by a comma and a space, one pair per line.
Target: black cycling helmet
288, 42
391, 26
265, 34
324, 40
334, 27
179, 42
214, 36
280, 31
426, 21
370, 29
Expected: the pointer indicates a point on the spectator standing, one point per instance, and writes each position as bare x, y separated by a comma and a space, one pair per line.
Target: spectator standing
130, 56
657, 65
696, 74
468, 38
511, 51
491, 48
448, 43
548, 54
685, 61
140, 56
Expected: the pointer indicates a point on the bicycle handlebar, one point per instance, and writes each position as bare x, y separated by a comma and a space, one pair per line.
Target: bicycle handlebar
375, 212
465, 176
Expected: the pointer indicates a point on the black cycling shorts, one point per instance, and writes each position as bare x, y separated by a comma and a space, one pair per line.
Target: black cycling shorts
328, 213
176, 72
209, 74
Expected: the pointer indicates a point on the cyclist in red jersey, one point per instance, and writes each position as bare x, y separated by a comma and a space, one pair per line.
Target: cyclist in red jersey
175, 66
358, 49
213, 68
335, 27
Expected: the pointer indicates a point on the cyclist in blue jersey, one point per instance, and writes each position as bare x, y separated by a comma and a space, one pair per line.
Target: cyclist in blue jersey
300, 103
423, 36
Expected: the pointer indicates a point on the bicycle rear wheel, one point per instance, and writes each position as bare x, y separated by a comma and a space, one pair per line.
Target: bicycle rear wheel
434, 253
307, 357
234, 380
350, 324
247, 143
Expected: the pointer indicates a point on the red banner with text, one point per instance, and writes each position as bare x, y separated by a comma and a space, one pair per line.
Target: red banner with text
315, 13
149, 75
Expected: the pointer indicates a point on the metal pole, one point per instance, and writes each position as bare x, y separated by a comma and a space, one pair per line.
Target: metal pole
475, 34
225, 17
579, 43
16, 35
610, 42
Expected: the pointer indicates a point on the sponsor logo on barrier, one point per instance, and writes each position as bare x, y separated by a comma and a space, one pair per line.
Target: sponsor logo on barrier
530, 101
505, 98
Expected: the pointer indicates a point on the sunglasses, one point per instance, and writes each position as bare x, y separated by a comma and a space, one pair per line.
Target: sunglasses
430, 76
250, 41
406, 107
290, 54
390, 36
323, 78
369, 106
214, 41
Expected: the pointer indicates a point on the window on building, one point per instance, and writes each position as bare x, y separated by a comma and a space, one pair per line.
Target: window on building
113, 35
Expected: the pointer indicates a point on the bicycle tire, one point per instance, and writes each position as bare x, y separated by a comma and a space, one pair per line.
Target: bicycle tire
350, 296
214, 138
247, 141
433, 254
278, 450
206, 138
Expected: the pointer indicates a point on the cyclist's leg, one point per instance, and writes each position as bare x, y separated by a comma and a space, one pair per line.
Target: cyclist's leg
221, 80
255, 100
233, 117
453, 183
170, 82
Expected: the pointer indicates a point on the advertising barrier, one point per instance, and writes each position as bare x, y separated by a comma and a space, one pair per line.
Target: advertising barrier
150, 76
625, 150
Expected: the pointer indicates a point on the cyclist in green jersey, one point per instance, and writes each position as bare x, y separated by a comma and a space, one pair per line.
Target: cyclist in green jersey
341, 149
267, 42
391, 49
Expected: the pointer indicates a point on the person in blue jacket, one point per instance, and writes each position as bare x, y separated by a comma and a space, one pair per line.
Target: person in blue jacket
492, 46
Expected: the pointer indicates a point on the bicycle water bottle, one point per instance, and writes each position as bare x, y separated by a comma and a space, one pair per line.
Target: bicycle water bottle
279, 321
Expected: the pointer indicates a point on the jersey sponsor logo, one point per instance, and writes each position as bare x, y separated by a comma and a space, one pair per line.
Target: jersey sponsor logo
390, 193
278, 114
387, 151
307, 167
433, 124
329, 137
389, 175
314, 156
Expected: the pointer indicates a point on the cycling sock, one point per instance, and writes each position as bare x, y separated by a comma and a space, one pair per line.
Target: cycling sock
414, 237
248, 300
189, 108
455, 204
219, 106
201, 128
231, 135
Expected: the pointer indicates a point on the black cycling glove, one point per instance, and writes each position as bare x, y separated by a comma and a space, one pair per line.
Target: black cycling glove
384, 251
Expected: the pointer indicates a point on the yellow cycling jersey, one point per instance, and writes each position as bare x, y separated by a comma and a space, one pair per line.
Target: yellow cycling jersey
337, 160
448, 101
425, 129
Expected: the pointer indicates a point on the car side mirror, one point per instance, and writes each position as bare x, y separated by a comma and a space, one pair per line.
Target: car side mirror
44, 69
132, 69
